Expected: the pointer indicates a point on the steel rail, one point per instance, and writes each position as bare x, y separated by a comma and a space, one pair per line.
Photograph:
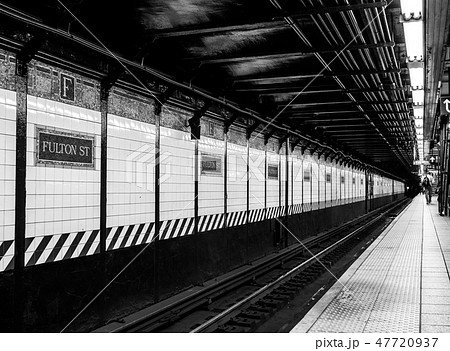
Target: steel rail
154, 316
272, 285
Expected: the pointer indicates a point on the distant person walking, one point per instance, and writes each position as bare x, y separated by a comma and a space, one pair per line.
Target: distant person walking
426, 185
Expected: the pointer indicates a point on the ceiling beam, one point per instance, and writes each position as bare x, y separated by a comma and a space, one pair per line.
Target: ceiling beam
330, 114
319, 110
305, 52
331, 9
352, 103
275, 90
196, 30
335, 120
312, 75
357, 127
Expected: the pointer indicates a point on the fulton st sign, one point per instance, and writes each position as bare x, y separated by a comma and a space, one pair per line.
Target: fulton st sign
63, 148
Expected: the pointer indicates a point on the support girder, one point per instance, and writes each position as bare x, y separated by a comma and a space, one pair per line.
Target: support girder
286, 55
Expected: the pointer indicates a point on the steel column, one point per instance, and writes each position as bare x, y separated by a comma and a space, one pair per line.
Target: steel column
247, 219
104, 94
225, 179
20, 195
286, 194
156, 260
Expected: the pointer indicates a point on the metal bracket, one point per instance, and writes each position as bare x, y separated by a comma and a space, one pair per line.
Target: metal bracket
283, 139
227, 123
267, 136
194, 122
294, 144
251, 129
27, 53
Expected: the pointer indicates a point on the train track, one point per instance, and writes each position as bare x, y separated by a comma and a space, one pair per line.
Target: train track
244, 299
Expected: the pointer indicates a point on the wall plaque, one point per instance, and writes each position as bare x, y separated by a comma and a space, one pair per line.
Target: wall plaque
211, 164
64, 148
272, 171
67, 87
306, 175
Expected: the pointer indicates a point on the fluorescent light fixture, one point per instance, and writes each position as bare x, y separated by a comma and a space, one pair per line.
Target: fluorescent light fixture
414, 39
416, 76
411, 6
418, 96
418, 112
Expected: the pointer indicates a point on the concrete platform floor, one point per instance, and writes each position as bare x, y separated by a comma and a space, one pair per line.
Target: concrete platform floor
400, 284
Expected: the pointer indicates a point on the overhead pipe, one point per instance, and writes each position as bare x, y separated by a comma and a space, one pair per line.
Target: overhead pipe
377, 36
402, 158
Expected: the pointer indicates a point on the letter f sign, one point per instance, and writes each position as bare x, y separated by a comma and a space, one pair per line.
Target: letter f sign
67, 87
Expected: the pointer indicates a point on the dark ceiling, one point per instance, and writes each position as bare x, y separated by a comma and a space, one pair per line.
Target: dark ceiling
333, 71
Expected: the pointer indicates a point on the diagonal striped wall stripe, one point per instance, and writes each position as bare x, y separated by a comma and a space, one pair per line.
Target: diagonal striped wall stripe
6, 255
51, 248
256, 215
188, 227
146, 235
136, 234
295, 209
210, 222
131, 235
236, 218
164, 229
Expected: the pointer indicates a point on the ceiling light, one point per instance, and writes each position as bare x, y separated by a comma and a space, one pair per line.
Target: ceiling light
418, 96
416, 76
414, 39
418, 112
411, 7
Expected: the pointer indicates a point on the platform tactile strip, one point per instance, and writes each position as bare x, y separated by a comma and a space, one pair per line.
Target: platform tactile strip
381, 292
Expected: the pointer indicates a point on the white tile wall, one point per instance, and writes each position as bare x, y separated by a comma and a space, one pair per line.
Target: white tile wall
348, 183
376, 188
351, 189
307, 185
314, 179
345, 188
282, 170
61, 200
342, 187
328, 187
177, 174
237, 178
130, 172
7, 171
321, 174
257, 162
335, 183
257, 178
272, 184
297, 180
211, 187
361, 188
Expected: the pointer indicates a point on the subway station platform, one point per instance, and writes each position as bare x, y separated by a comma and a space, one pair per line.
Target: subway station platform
400, 284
